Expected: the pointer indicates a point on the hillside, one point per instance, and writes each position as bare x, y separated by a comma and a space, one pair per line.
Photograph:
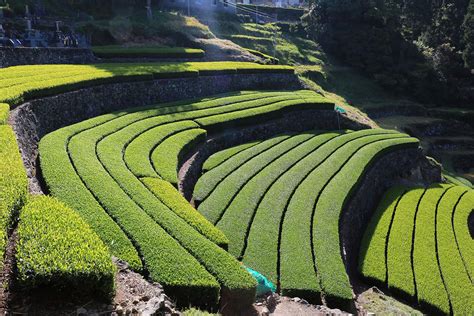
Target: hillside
228, 163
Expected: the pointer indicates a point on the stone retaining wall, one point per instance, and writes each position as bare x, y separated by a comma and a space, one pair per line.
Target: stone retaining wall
29, 56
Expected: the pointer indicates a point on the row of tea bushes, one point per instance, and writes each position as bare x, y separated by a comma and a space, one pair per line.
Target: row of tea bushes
115, 51
21, 83
418, 244
55, 247
282, 198
106, 158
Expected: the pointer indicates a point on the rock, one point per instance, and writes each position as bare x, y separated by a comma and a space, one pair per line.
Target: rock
265, 312
259, 304
81, 311
304, 302
296, 299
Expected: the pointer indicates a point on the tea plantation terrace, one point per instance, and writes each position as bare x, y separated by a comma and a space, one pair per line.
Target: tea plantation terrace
279, 202
118, 170
418, 245
21, 83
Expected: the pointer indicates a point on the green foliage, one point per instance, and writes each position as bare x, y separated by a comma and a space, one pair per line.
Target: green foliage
438, 263
328, 209
161, 253
456, 279
115, 51
268, 189
168, 154
57, 249
372, 259
13, 183
429, 283
4, 112
208, 182
214, 206
155, 222
223, 155
239, 194
296, 232
138, 152
468, 26
408, 46
463, 236
21, 83
64, 183
178, 204
399, 268
253, 116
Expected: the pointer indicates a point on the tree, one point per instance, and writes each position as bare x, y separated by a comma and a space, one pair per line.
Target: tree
468, 27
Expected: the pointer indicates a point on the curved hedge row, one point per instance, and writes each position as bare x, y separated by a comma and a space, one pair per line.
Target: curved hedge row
115, 51
20, 83
281, 199
13, 184
418, 243
114, 163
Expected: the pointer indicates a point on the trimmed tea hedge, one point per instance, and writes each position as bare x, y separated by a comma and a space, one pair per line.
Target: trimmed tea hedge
464, 240
281, 199
114, 51
4, 112
108, 157
219, 200
57, 249
429, 247
167, 155
21, 83
429, 283
399, 266
222, 156
13, 183
168, 194
373, 246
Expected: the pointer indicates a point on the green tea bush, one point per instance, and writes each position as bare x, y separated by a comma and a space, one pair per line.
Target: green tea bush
167, 155
436, 266
248, 186
466, 244
458, 284
4, 112
222, 156
57, 249
372, 259
331, 269
138, 152
113, 51
21, 83
64, 183
271, 190
13, 183
214, 206
168, 194
400, 272
429, 283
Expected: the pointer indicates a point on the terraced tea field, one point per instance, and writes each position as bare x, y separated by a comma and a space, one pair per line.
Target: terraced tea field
279, 202
274, 204
418, 244
117, 170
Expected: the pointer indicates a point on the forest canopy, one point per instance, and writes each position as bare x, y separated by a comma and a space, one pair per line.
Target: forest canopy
424, 47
